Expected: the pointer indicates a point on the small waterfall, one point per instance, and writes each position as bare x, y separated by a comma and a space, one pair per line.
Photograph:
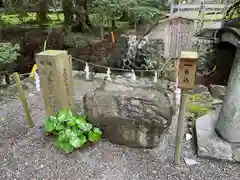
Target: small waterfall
134, 47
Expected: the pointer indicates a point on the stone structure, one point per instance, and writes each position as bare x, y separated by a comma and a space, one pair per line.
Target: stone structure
55, 72
132, 113
218, 133
228, 125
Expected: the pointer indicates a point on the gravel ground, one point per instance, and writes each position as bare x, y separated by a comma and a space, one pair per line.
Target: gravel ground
29, 155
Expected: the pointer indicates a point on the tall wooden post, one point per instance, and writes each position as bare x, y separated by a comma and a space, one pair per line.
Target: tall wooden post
55, 72
180, 126
187, 73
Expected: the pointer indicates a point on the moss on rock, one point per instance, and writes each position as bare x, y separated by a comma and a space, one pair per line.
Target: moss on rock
199, 104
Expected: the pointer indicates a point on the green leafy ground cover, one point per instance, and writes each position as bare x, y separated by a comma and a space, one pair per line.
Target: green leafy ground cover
72, 130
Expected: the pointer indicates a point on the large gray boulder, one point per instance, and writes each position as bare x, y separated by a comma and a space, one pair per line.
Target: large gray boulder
132, 113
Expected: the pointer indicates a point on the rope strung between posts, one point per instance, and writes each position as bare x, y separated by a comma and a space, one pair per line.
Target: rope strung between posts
87, 73
106, 67
119, 69
34, 74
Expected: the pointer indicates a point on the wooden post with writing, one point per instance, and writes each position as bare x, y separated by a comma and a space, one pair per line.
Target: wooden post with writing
186, 77
55, 72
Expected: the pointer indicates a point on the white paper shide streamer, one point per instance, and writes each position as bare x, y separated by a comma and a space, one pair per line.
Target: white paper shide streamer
155, 77
109, 74
87, 74
178, 96
4, 82
133, 75
37, 82
177, 93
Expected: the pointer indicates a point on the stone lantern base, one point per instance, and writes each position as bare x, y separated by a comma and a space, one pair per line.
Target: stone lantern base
209, 144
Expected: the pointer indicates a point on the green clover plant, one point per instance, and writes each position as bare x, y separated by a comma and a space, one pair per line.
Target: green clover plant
72, 130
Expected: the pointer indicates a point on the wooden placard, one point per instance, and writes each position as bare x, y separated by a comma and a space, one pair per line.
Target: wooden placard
55, 73
187, 70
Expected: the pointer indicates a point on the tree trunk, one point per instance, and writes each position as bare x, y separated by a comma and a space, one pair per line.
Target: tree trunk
7, 78
161, 5
68, 11
228, 125
176, 1
25, 3
102, 32
9, 5
114, 25
124, 17
82, 15
42, 13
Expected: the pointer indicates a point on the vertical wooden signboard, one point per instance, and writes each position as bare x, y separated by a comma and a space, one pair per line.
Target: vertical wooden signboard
55, 72
187, 73
187, 70
178, 35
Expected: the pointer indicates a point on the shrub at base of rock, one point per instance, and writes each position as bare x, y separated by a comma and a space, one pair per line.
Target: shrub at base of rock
132, 113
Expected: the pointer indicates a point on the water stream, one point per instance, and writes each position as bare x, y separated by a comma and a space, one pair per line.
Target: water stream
130, 61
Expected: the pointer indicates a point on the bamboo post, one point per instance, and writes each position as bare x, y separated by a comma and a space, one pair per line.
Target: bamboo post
23, 99
180, 126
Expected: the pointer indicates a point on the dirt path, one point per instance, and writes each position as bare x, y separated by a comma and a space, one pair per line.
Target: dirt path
32, 156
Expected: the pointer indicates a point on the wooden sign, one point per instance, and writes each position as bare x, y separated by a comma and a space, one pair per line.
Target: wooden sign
187, 69
178, 36
55, 72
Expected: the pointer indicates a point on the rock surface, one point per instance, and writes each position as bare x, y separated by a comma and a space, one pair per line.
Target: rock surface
218, 91
200, 89
132, 113
209, 144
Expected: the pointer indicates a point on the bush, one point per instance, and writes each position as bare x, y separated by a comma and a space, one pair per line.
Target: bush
8, 55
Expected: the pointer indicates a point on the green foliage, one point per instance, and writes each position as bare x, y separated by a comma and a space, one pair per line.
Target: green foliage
145, 13
199, 105
8, 54
72, 130
101, 11
207, 57
198, 109
233, 11
145, 10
